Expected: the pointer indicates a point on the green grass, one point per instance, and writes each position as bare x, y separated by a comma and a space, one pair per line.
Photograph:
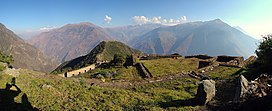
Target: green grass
123, 73
2, 67
49, 92
225, 73
165, 66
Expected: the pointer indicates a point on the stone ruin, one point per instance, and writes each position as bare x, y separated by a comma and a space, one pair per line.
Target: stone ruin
231, 61
204, 57
207, 64
260, 87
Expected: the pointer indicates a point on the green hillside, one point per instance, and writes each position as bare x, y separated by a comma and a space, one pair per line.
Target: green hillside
49, 92
104, 51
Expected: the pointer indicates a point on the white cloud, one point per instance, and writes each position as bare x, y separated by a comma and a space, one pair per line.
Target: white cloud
140, 20
159, 20
107, 19
47, 28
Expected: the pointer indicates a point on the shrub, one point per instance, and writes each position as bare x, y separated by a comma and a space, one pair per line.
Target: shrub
6, 58
264, 51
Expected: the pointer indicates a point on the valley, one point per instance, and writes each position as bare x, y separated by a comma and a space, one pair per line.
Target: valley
142, 56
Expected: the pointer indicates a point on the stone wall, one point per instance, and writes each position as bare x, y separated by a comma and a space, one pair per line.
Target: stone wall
78, 71
199, 57
143, 70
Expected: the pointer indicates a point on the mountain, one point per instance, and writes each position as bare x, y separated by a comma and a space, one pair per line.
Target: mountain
127, 33
24, 55
211, 37
102, 52
70, 41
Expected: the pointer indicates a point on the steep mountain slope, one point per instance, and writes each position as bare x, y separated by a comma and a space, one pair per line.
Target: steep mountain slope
102, 52
127, 33
25, 55
70, 41
211, 37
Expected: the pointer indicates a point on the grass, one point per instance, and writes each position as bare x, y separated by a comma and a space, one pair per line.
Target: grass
2, 67
225, 73
122, 73
49, 92
166, 66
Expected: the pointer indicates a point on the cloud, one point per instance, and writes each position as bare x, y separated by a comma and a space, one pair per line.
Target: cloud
159, 20
47, 28
140, 20
107, 19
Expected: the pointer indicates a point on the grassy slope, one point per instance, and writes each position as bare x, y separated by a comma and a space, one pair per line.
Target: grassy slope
114, 47
165, 66
226, 81
49, 92
129, 73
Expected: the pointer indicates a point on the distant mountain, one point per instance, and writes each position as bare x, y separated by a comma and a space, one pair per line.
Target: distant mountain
70, 41
104, 51
211, 37
127, 33
25, 55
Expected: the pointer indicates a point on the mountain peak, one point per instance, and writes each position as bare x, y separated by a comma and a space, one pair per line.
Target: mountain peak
104, 51
217, 21
2, 25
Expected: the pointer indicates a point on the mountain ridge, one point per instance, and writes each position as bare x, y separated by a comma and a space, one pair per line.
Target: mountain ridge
196, 38
24, 55
57, 42
103, 52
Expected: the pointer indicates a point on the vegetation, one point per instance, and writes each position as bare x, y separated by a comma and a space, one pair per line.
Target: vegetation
49, 92
5, 58
264, 52
114, 73
113, 47
225, 73
166, 66
118, 60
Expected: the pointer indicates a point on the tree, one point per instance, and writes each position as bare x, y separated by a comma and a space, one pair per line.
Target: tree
118, 60
264, 51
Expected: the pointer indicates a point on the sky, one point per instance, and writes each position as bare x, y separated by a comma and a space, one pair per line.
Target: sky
29, 16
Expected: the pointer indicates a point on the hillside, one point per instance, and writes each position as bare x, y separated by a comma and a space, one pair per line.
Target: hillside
170, 89
128, 33
104, 51
70, 41
211, 37
24, 55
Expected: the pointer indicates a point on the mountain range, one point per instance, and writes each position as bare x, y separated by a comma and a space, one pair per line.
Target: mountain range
70, 41
24, 54
209, 37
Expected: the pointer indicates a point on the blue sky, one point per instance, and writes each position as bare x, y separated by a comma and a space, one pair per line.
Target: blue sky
21, 16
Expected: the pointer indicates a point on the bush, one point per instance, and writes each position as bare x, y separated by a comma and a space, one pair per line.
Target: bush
264, 51
118, 60
5, 58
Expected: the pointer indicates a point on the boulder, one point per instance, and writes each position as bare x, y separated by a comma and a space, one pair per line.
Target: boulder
12, 71
242, 88
205, 92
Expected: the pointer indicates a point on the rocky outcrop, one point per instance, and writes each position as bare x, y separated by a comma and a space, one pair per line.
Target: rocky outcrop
241, 89
260, 87
12, 71
205, 92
